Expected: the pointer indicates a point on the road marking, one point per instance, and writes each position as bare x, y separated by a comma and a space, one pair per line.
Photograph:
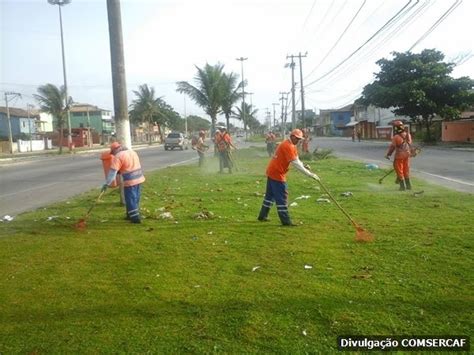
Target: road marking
445, 178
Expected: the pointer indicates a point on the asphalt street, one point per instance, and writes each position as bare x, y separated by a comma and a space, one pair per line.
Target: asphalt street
449, 167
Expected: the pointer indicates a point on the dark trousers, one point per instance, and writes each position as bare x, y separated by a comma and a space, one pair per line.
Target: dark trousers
201, 158
277, 191
132, 202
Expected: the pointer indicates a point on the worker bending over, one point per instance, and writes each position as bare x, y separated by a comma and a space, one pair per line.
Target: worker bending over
127, 163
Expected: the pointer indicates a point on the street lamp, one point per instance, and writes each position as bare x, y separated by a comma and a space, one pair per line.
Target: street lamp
241, 59
61, 3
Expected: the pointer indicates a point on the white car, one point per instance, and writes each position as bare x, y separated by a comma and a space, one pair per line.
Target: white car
176, 140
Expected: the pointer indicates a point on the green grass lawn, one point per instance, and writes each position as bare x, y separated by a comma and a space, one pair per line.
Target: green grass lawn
230, 283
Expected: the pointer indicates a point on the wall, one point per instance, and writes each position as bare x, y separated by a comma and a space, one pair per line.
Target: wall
25, 146
458, 131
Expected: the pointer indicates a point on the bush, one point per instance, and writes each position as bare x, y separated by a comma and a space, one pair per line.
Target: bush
318, 154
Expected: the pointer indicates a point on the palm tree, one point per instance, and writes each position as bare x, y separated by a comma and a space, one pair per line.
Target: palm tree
51, 100
230, 95
145, 108
250, 115
208, 91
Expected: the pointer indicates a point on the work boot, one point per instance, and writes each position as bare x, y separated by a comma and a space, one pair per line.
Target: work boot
263, 215
285, 218
408, 184
402, 185
397, 180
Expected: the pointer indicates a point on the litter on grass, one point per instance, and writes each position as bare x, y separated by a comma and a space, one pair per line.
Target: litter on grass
255, 268
293, 204
347, 194
50, 218
323, 200
204, 215
7, 218
303, 197
372, 166
166, 215
308, 267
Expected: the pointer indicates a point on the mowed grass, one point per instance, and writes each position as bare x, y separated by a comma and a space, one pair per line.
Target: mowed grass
230, 283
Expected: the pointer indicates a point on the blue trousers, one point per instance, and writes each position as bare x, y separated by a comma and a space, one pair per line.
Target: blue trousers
132, 202
277, 191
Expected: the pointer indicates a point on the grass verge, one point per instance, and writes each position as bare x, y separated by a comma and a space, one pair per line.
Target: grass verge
212, 278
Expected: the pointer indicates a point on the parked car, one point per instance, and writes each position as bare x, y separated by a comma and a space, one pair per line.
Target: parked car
176, 140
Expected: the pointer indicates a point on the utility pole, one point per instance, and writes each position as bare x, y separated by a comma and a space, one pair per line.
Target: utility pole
283, 111
292, 66
241, 59
119, 84
66, 98
274, 116
302, 89
28, 107
10, 136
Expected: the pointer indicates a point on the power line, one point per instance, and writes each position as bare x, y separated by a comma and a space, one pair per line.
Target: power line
393, 18
338, 40
436, 24
309, 14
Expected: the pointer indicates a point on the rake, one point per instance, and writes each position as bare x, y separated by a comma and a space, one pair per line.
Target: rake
361, 234
81, 224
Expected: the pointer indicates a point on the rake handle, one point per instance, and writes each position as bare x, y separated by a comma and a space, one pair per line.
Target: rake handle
337, 204
95, 203
387, 174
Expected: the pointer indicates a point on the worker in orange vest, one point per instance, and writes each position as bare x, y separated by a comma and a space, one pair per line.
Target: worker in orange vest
306, 139
270, 140
401, 142
277, 189
224, 146
127, 163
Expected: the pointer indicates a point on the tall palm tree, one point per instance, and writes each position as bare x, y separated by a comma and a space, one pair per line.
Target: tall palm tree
145, 108
230, 95
250, 115
51, 100
208, 90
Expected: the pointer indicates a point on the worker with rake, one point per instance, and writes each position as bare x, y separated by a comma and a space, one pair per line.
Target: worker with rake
126, 162
224, 146
401, 142
277, 189
270, 140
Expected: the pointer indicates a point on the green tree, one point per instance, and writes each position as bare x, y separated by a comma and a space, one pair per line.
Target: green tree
208, 92
249, 118
51, 100
419, 86
145, 109
230, 95
196, 123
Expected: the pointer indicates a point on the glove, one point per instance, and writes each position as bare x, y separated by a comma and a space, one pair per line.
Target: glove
315, 177
104, 187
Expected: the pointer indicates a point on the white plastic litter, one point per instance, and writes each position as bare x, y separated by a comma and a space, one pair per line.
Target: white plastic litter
50, 218
304, 332
7, 218
303, 197
371, 166
255, 268
323, 200
308, 267
347, 194
166, 215
293, 204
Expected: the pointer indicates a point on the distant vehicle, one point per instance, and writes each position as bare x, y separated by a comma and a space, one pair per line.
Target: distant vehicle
176, 140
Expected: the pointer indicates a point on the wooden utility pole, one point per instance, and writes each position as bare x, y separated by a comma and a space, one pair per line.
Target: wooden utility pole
119, 85
292, 65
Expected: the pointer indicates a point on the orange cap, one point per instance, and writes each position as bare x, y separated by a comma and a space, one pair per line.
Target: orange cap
297, 133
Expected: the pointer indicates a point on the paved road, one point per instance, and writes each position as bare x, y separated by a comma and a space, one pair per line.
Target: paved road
33, 183
450, 167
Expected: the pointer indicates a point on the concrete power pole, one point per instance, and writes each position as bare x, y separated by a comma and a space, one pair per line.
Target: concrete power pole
244, 120
302, 89
10, 135
122, 123
283, 107
274, 113
293, 113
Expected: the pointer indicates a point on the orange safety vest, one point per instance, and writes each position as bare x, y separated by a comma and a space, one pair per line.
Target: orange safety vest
223, 142
401, 146
126, 162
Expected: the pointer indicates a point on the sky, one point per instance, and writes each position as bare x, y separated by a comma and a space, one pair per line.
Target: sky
164, 41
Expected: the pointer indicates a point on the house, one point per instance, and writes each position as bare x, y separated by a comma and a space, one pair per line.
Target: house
93, 117
375, 122
339, 119
322, 125
22, 123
